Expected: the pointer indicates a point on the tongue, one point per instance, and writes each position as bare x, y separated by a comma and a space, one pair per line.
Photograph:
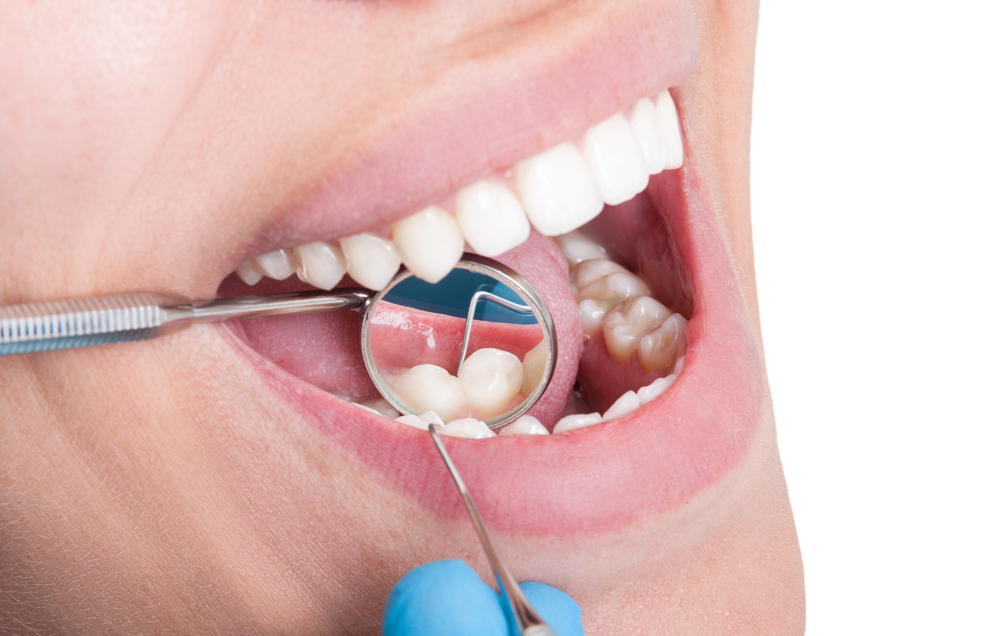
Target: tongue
324, 349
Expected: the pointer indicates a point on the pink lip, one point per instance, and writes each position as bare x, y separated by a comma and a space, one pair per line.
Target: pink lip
604, 477
489, 113
607, 476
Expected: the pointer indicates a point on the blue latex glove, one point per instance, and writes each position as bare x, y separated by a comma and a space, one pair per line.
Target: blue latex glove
447, 598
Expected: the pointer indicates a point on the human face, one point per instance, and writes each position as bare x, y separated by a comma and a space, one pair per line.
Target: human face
199, 484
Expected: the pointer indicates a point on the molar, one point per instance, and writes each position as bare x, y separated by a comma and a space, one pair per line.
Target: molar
630, 321
659, 349
578, 247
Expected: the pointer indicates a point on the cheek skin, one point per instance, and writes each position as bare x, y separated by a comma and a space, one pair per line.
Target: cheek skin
90, 94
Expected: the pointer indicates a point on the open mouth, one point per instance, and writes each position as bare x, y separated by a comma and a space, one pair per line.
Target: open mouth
658, 386
654, 373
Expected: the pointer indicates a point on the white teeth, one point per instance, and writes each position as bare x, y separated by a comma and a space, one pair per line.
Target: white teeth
605, 294
427, 387
320, 264
615, 159
467, 427
656, 388
591, 316
580, 420
429, 243
420, 421
248, 274
534, 367
490, 378
658, 350
371, 261
577, 247
591, 270
524, 425
648, 132
382, 407
278, 264
671, 126
412, 420
624, 405
557, 190
430, 417
491, 218
630, 321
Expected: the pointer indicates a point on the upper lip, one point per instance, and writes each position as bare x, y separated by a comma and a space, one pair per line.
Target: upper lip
488, 114
485, 114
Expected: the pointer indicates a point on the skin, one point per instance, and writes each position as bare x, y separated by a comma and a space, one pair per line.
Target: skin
158, 487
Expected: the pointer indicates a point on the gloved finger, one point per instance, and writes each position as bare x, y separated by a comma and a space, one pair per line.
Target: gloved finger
443, 598
555, 607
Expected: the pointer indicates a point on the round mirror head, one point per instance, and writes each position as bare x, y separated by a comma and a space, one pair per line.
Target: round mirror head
480, 343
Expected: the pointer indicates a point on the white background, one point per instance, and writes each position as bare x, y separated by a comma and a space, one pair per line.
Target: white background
875, 180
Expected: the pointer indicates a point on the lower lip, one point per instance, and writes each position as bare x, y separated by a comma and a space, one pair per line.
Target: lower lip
605, 477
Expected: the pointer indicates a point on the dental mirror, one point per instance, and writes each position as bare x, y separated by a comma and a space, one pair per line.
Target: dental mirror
480, 343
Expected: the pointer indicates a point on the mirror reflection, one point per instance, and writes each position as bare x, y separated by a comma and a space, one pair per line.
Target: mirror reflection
416, 332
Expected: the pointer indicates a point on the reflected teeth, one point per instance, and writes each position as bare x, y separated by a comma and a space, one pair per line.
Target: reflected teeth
320, 264
428, 387
534, 367
372, 261
429, 243
490, 378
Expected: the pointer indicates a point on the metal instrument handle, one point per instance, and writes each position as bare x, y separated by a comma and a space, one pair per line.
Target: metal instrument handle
87, 322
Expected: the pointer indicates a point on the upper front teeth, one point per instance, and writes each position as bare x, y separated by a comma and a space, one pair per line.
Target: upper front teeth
429, 243
371, 260
557, 190
615, 160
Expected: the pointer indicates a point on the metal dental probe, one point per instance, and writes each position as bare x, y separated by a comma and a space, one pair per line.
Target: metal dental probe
527, 620
88, 322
